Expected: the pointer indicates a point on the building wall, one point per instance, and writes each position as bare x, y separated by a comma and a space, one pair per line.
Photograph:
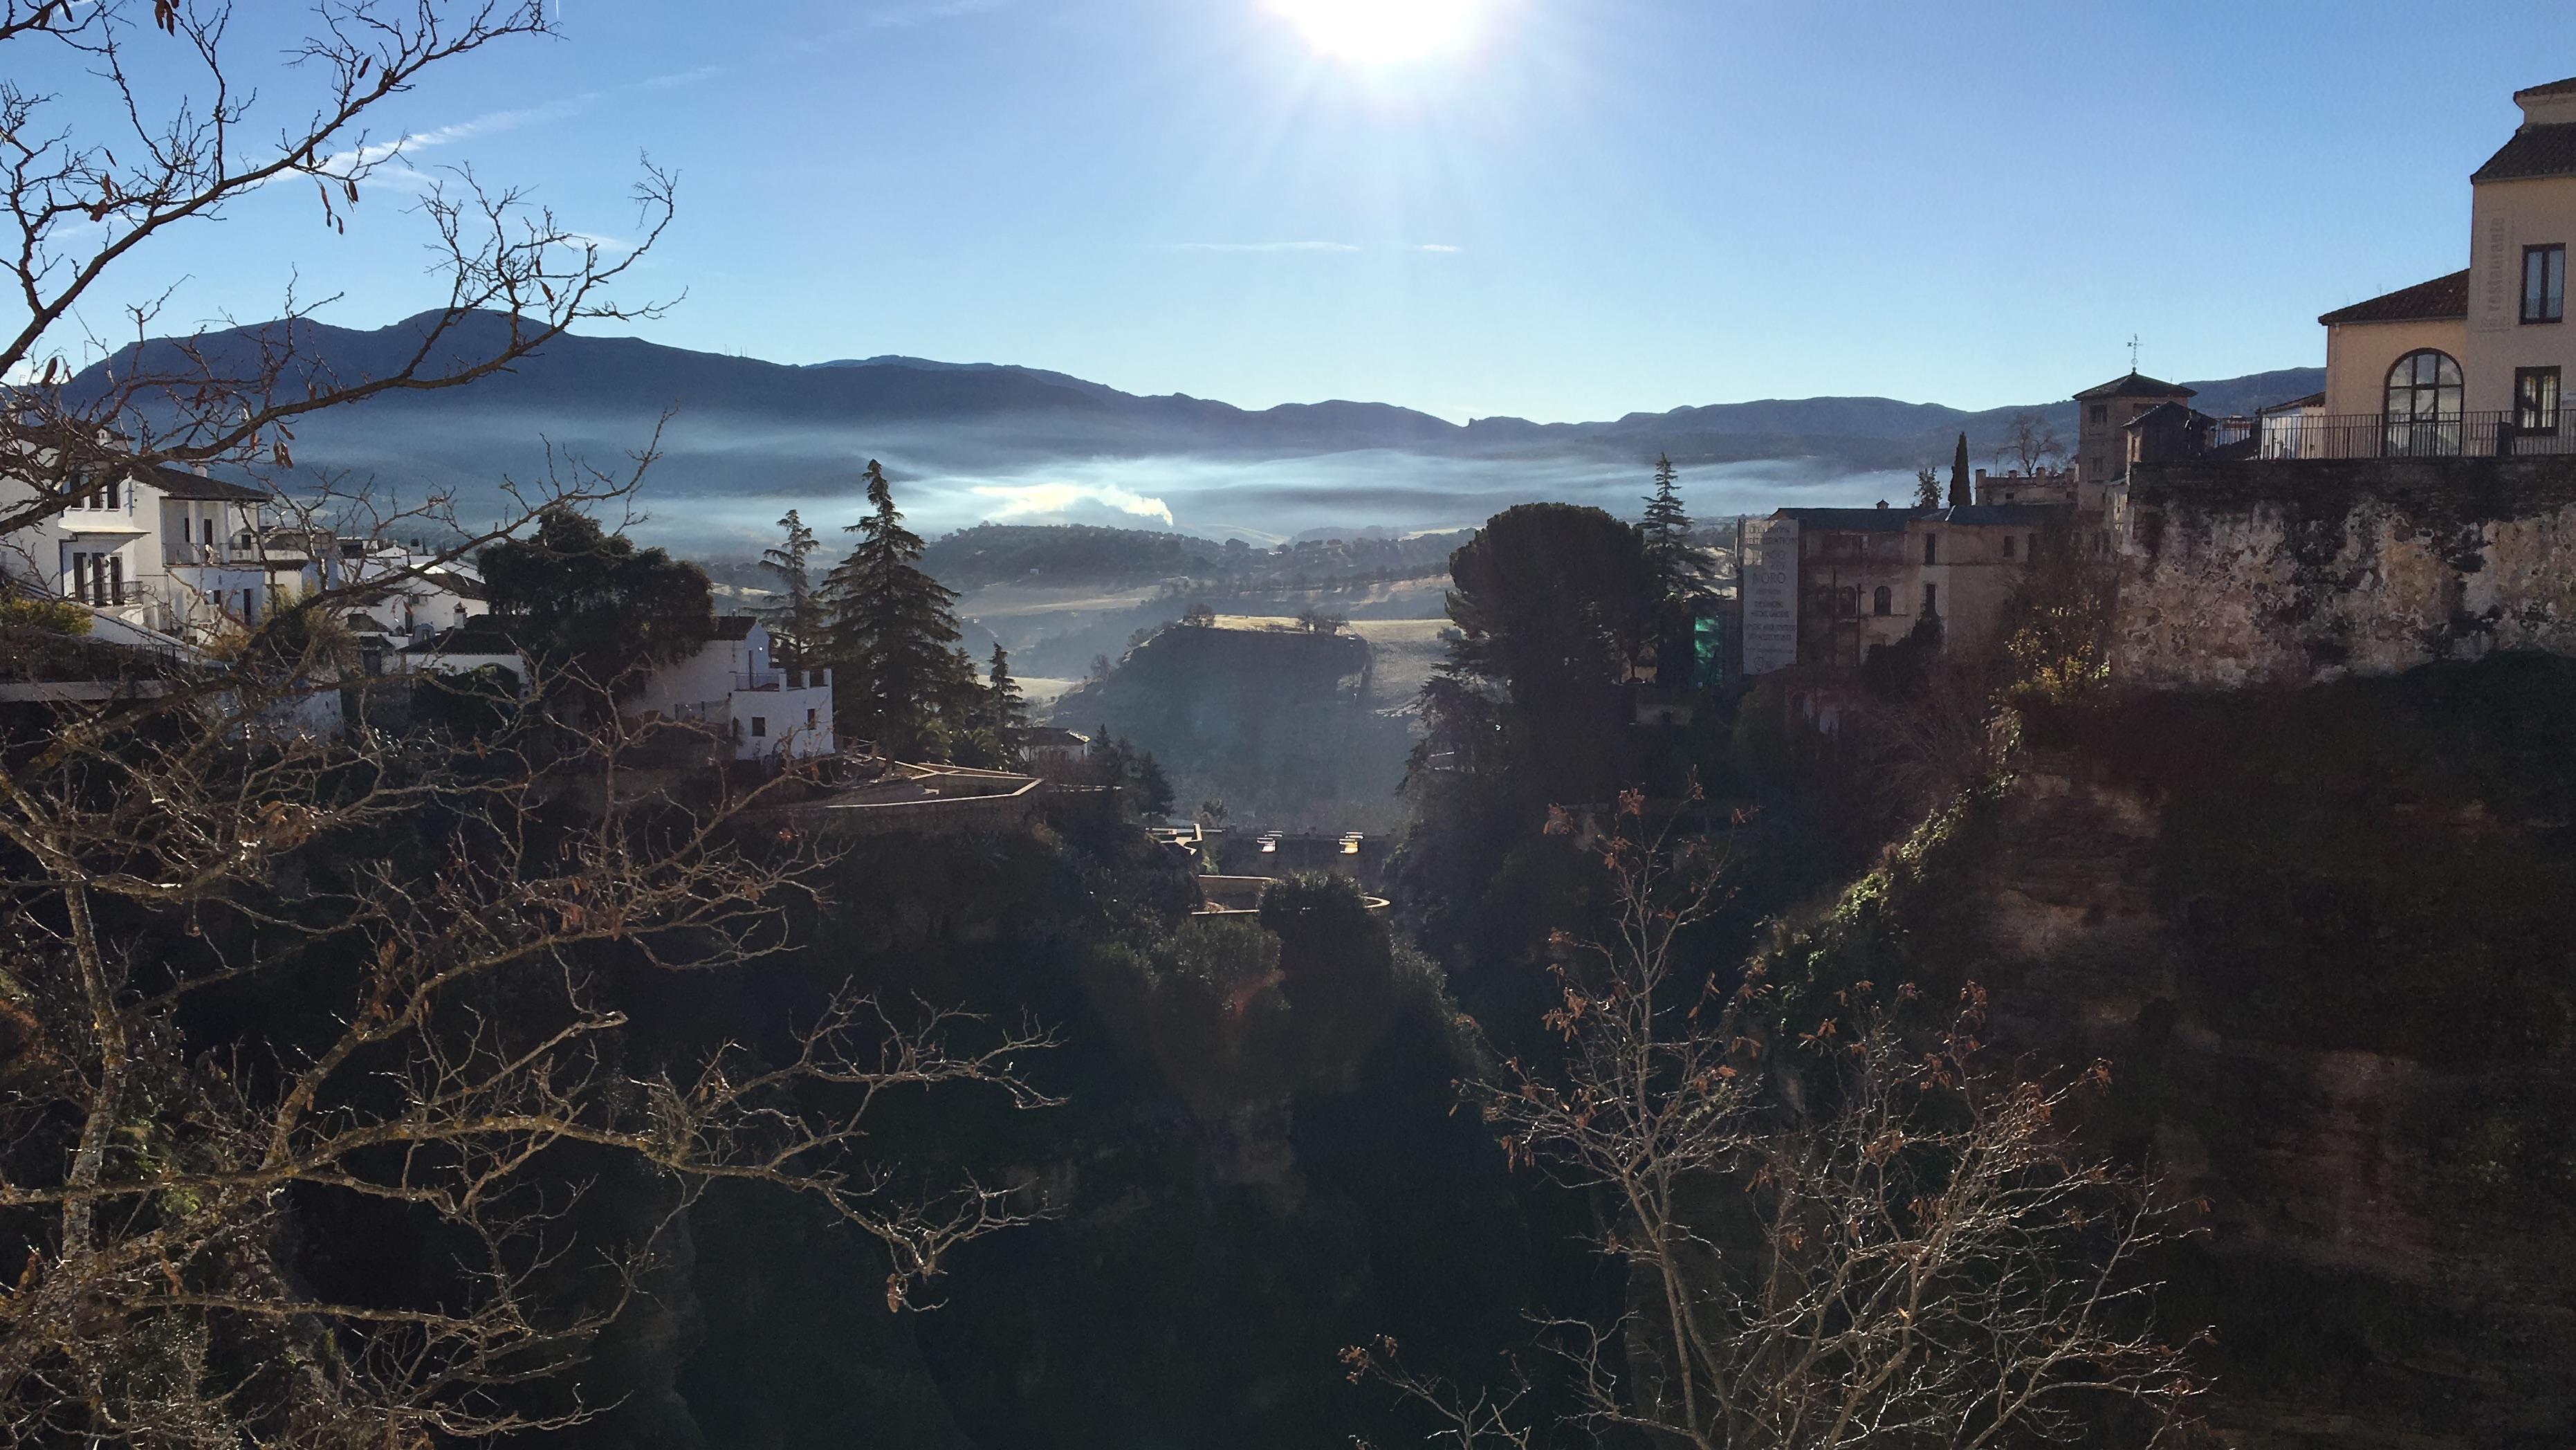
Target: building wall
2359, 355
708, 677
2252, 573
2101, 452
1974, 578
2505, 217
795, 722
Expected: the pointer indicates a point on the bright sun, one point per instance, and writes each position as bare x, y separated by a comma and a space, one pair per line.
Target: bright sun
1379, 31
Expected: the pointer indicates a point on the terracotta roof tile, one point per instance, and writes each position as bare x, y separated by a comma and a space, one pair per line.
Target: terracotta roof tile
2434, 301
2533, 151
2135, 385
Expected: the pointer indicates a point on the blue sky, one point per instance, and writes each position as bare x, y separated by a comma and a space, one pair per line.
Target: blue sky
1585, 208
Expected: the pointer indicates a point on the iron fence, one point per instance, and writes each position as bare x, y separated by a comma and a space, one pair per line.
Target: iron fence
2383, 435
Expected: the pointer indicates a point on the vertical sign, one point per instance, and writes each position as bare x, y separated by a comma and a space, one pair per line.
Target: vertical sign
1767, 575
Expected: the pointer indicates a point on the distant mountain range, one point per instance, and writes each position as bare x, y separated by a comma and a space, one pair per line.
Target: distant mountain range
968, 441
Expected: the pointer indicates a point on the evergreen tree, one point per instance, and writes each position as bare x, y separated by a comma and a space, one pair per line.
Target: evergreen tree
1005, 711
1667, 533
1927, 489
590, 608
798, 622
891, 631
1959, 498
1153, 787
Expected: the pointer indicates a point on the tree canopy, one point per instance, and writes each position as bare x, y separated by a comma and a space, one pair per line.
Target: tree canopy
1552, 603
585, 602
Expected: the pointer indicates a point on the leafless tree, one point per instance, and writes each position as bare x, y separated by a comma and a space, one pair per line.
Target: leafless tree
259, 976
456, 921
209, 129
2031, 443
1867, 1246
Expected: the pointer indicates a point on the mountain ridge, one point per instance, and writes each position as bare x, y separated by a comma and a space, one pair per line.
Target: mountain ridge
1003, 440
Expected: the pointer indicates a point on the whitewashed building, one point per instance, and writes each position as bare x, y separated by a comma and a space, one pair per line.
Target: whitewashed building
161, 549
729, 684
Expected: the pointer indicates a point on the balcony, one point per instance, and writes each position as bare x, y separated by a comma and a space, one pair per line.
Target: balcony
771, 680
202, 556
2379, 435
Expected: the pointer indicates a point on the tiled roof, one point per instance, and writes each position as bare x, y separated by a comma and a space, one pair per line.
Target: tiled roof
733, 626
2158, 414
2566, 87
2312, 400
180, 483
2435, 301
2533, 151
461, 585
2135, 385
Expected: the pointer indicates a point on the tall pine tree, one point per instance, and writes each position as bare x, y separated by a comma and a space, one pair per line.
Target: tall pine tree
1667, 532
891, 632
1959, 498
1005, 711
798, 620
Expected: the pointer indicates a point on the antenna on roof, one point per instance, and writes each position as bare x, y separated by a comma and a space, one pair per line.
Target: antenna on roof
2133, 352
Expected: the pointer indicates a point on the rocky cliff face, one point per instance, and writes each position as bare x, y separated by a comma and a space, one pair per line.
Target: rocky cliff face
2284, 573
2324, 939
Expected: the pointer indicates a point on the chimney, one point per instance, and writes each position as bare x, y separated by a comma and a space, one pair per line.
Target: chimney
2549, 105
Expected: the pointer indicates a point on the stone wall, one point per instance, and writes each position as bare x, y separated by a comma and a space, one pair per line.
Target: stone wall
2288, 572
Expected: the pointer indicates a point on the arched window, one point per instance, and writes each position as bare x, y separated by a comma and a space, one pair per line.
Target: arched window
1882, 603
2423, 405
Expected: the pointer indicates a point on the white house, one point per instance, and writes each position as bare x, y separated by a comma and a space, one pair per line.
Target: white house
162, 548
728, 684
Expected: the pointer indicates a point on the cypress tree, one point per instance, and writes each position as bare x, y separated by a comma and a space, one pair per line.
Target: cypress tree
1959, 498
891, 631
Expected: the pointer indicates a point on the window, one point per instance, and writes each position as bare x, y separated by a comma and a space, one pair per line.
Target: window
1883, 603
2101, 413
1931, 599
812, 719
2423, 405
250, 607
759, 726
210, 533
1931, 548
2535, 400
1847, 603
2008, 546
2544, 283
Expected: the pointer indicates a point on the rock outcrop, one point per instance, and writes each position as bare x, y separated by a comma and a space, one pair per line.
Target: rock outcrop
2246, 573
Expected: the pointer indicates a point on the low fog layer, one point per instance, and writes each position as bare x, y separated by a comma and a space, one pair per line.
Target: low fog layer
721, 482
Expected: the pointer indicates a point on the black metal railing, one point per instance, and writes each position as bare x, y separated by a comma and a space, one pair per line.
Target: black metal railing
2381, 435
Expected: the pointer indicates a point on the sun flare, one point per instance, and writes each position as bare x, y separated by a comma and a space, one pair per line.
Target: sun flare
1376, 32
